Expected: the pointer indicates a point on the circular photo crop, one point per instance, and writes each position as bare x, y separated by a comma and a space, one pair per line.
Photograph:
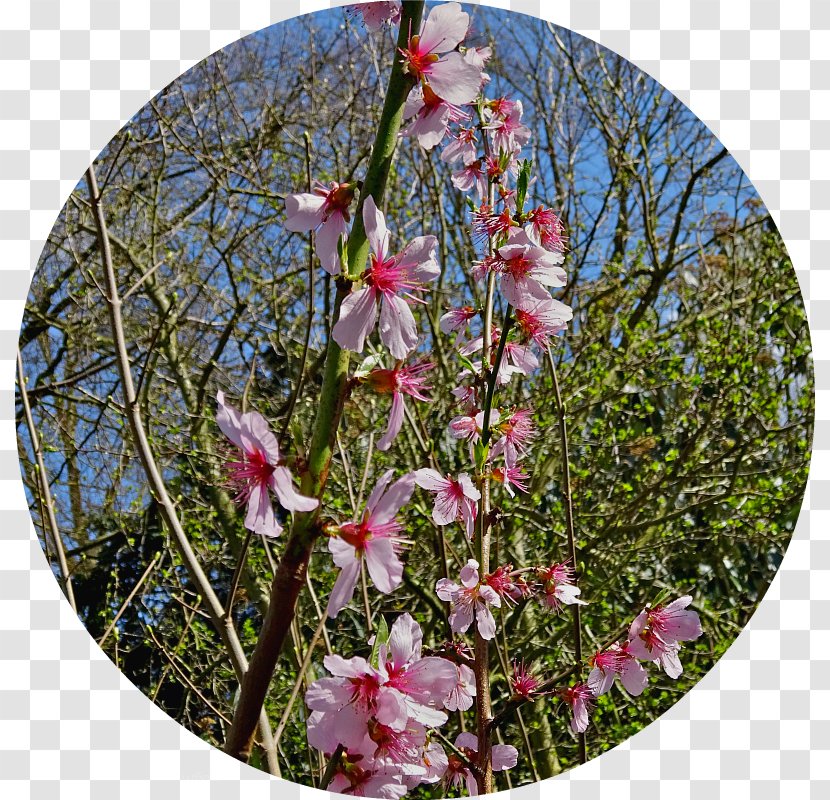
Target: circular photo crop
414, 399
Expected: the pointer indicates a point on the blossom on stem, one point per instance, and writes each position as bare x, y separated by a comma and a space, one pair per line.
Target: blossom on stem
517, 359
377, 14
557, 586
542, 319
387, 277
423, 682
457, 319
545, 228
469, 426
455, 498
462, 147
656, 633
510, 477
523, 682
461, 696
503, 756
526, 269
471, 599
616, 660
515, 432
580, 698
326, 210
471, 176
259, 468
400, 381
507, 133
509, 588
450, 76
431, 117
374, 539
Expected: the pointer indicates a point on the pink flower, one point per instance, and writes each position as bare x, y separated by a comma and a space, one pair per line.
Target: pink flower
526, 268
461, 148
614, 661
399, 382
504, 756
469, 426
656, 633
471, 599
507, 132
517, 431
435, 763
375, 538
523, 682
462, 694
471, 176
510, 477
479, 56
517, 359
581, 700
542, 319
325, 210
557, 586
508, 587
355, 693
260, 469
387, 277
432, 117
490, 225
546, 228
455, 499
457, 319
423, 683
450, 76
378, 14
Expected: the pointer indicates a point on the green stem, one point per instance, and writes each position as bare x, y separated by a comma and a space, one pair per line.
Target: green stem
291, 572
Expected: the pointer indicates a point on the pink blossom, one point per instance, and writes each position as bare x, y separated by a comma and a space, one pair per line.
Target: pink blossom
545, 228
462, 694
461, 148
516, 432
557, 586
423, 683
523, 682
507, 132
435, 763
614, 661
432, 117
455, 499
656, 633
526, 268
356, 692
457, 319
260, 468
503, 756
510, 477
325, 210
387, 277
375, 538
542, 319
399, 382
490, 225
469, 426
377, 14
450, 76
509, 587
581, 700
479, 56
471, 176
516, 359
472, 599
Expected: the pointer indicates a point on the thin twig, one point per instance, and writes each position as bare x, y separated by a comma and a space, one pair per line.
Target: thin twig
47, 503
130, 596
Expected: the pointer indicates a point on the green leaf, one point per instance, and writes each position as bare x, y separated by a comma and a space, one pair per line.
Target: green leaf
381, 638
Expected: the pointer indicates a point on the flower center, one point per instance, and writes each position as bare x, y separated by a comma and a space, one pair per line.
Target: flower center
245, 475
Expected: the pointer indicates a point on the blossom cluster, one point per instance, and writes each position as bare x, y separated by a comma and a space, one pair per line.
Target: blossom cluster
382, 716
378, 718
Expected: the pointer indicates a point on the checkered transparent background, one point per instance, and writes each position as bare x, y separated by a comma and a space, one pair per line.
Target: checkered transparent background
71, 73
